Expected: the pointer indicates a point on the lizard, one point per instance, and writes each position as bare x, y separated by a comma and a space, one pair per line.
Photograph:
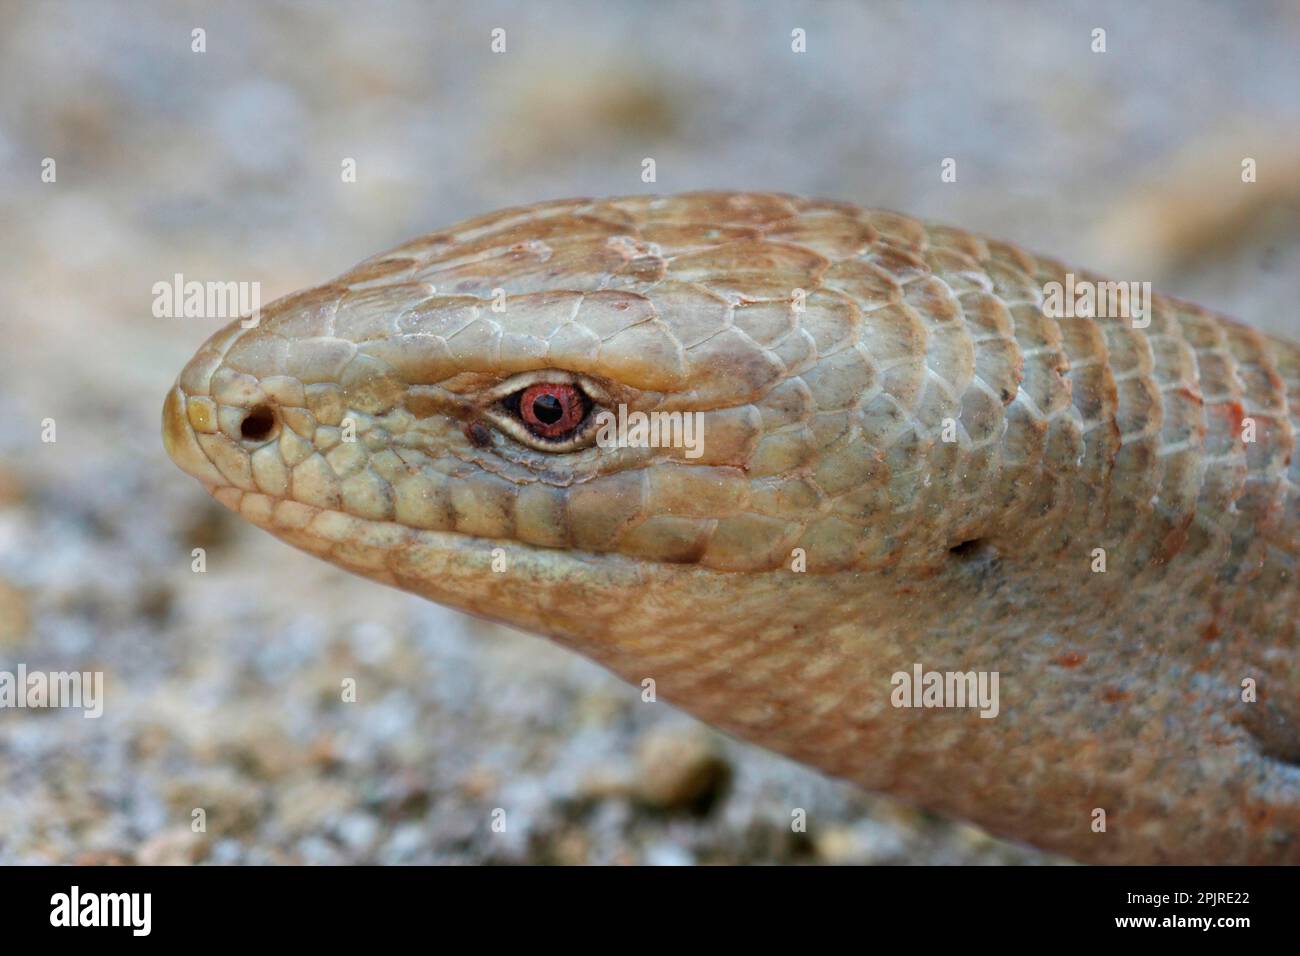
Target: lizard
908, 464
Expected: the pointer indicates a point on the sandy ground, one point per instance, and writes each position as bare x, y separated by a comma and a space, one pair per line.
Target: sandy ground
222, 688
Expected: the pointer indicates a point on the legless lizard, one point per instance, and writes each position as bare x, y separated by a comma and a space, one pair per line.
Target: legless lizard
908, 464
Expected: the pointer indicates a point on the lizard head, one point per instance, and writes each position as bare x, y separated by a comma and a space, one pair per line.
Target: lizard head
566, 399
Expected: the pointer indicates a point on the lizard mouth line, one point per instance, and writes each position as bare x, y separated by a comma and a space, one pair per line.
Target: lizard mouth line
287, 518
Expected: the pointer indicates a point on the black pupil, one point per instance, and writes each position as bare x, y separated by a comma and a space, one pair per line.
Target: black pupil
548, 409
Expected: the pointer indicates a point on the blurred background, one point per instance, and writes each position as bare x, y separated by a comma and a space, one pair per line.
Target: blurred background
222, 688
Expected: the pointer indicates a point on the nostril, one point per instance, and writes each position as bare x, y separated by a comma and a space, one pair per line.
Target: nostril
258, 423
969, 549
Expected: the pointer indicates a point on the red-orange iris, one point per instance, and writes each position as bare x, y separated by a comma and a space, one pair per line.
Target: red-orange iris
551, 409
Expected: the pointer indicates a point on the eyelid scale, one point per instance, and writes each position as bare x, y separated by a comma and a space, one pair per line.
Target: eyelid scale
593, 389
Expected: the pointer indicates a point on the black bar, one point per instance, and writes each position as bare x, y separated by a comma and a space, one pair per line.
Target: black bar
334, 905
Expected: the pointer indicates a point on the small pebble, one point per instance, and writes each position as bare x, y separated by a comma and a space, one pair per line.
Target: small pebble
681, 770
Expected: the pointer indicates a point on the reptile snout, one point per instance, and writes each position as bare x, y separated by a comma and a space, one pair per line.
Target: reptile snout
227, 418
180, 441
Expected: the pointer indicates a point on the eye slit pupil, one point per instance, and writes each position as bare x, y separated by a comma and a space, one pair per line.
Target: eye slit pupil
548, 408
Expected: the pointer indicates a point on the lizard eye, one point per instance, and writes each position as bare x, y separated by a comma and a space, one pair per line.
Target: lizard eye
550, 409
